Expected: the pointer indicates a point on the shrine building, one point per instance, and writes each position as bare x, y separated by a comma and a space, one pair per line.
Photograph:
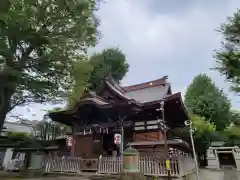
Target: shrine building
143, 114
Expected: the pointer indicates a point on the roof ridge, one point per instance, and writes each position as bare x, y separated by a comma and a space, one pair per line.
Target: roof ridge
156, 82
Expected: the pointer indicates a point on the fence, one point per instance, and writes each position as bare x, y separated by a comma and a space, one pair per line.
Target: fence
110, 165
64, 164
70, 164
149, 165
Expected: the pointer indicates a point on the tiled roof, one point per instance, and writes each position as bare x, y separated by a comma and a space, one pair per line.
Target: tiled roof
144, 92
148, 94
158, 82
115, 89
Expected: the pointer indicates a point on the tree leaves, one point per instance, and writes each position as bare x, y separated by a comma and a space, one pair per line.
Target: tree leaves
88, 74
228, 57
109, 61
40, 41
201, 126
204, 99
81, 74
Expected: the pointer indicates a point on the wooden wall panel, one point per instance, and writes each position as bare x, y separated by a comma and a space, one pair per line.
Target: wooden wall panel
160, 135
148, 136
152, 136
140, 136
84, 146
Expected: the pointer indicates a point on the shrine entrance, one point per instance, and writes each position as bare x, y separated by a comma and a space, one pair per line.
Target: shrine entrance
103, 141
110, 148
223, 157
226, 160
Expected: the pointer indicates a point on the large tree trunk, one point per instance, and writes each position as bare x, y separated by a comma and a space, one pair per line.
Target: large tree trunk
3, 114
5, 98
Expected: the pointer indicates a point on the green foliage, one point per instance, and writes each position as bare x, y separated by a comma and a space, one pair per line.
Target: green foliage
109, 61
89, 74
228, 57
81, 74
235, 117
201, 126
40, 42
232, 132
204, 99
18, 134
203, 133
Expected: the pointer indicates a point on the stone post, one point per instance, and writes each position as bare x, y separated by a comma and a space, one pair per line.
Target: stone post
236, 155
212, 161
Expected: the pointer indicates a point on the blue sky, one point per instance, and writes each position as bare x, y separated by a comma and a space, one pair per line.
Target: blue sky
174, 38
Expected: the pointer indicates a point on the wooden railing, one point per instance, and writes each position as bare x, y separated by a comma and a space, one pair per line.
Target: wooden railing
70, 164
149, 165
110, 165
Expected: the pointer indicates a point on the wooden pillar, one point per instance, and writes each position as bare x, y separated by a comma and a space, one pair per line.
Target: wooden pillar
74, 137
160, 134
134, 136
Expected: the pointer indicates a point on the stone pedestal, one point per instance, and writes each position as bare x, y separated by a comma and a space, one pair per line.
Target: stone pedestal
212, 160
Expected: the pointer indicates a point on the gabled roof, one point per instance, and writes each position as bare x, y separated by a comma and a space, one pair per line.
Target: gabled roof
144, 92
88, 98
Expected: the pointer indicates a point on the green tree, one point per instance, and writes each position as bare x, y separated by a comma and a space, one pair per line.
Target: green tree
204, 99
81, 74
201, 126
235, 117
40, 42
109, 61
203, 132
232, 132
90, 73
228, 56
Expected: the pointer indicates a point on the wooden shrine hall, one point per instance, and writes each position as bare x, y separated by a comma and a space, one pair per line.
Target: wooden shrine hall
133, 111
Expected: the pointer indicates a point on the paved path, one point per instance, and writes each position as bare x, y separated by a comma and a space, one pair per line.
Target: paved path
231, 174
223, 174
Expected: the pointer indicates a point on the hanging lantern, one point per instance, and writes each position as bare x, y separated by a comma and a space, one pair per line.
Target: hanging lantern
69, 141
